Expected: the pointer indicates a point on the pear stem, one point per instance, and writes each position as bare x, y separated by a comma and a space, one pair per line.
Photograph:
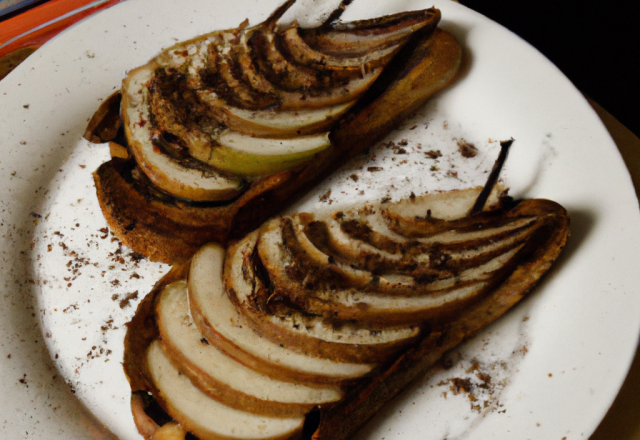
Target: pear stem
278, 13
335, 15
493, 177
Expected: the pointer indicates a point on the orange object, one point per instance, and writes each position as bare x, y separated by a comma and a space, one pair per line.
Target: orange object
36, 26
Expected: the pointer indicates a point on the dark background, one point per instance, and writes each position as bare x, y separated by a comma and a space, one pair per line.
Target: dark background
596, 46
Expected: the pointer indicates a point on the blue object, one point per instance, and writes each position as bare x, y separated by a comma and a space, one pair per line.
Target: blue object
9, 6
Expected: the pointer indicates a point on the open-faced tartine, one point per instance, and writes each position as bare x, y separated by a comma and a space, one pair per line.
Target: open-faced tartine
307, 326
218, 133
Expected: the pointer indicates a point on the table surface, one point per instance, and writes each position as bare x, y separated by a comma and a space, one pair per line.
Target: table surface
622, 422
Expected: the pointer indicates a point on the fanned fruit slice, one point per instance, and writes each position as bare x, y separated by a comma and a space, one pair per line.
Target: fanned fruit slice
315, 321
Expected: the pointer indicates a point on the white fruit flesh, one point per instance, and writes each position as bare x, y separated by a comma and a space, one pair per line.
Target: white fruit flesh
375, 305
449, 205
222, 324
165, 173
245, 155
273, 147
274, 123
226, 379
454, 237
206, 417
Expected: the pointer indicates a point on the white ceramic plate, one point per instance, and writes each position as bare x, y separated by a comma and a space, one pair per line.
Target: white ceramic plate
556, 362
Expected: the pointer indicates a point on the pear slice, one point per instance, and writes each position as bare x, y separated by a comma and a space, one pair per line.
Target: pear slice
169, 117
304, 55
221, 377
304, 333
205, 417
245, 155
222, 325
359, 37
166, 173
436, 259
274, 122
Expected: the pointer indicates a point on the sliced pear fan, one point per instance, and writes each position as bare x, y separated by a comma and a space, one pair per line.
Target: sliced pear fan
219, 375
380, 299
220, 322
256, 81
205, 417
304, 333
